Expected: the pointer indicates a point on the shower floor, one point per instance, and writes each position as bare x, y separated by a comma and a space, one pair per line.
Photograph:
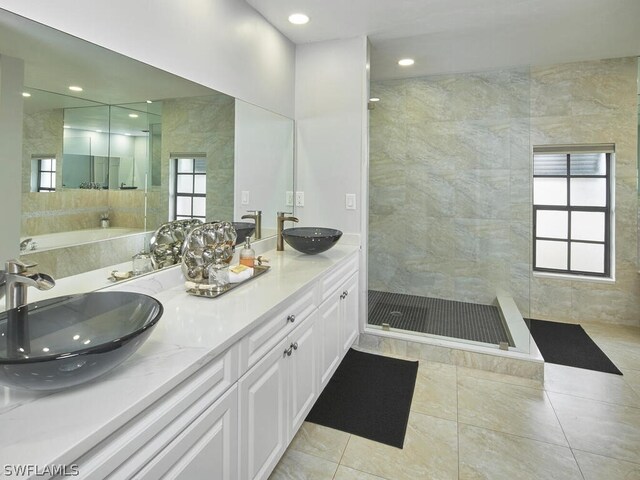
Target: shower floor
448, 318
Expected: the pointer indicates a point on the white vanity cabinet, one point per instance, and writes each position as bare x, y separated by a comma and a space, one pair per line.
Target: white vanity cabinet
338, 318
240, 400
275, 397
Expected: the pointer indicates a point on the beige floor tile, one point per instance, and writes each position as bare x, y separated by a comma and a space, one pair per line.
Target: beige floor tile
597, 467
498, 377
612, 333
624, 355
598, 427
436, 391
485, 454
430, 452
346, 473
296, 465
320, 441
632, 378
512, 409
605, 387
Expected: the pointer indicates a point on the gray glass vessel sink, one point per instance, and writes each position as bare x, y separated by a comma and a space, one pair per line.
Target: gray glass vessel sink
311, 240
64, 341
243, 230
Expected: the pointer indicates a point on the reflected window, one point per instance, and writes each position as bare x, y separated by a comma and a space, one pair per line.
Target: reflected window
190, 187
572, 210
46, 175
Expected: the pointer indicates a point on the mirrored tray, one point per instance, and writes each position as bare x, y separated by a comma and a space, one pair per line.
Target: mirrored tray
257, 271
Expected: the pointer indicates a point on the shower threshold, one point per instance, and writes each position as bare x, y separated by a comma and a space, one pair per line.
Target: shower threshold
435, 316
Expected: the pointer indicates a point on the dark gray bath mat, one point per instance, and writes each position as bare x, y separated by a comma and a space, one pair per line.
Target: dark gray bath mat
568, 344
369, 396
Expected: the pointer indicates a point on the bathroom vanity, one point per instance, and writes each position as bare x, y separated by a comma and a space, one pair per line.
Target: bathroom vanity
218, 390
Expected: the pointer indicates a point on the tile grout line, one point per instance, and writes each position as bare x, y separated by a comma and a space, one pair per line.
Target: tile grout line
606, 456
516, 435
546, 394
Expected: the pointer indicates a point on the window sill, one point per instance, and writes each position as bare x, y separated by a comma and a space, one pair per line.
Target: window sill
576, 278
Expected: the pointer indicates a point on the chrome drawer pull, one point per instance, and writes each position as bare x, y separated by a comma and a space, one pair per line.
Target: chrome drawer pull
291, 318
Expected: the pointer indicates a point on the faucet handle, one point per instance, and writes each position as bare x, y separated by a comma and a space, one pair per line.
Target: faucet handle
16, 266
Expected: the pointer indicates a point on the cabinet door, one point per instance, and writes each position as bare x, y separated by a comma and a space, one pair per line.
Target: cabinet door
349, 313
207, 449
329, 334
263, 408
303, 373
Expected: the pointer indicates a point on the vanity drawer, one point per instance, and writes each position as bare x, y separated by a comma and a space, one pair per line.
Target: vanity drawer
123, 453
336, 277
275, 327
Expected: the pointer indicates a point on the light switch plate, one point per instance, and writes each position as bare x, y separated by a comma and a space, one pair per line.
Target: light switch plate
299, 199
350, 201
245, 197
289, 200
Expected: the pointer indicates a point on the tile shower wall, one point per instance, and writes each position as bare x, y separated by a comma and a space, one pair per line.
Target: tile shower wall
449, 186
593, 102
450, 199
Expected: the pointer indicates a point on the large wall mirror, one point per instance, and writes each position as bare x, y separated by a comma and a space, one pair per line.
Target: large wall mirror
111, 150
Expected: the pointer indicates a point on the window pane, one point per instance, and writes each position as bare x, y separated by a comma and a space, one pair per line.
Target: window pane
185, 165
53, 163
45, 164
587, 257
53, 179
587, 226
552, 224
550, 191
589, 192
551, 164
199, 207
201, 184
588, 164
45, 179
183, 206
185, 183
550, 254
201, 165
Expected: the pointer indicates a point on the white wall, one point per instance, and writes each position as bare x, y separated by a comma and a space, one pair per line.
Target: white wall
263, 162
331, 115
223, 44
11, 80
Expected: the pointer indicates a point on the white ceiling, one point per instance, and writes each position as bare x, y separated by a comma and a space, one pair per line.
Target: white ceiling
445, 36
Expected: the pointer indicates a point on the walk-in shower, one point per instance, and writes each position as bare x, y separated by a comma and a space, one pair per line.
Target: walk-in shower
450, 205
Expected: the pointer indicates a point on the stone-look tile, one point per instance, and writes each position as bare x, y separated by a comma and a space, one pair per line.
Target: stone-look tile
435, 392
320, 441
623, 355
346, 473
501, 365
597, 467
632, 378
432, 353
605, 387
485, 454
597, 427
499, 377
296, 465
512, 409
430, 451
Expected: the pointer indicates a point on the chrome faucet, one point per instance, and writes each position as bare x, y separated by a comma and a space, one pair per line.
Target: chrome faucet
279, 228
15, 279
256, 215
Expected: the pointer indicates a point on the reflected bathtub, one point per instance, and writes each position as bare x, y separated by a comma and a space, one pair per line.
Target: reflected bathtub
50, 241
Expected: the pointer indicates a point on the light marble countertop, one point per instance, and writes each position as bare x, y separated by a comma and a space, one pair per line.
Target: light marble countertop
57, 428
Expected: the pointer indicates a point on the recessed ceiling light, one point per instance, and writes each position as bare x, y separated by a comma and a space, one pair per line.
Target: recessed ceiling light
298, 18
406, 62
149, 101
26, 94
374, 99
133, 115
67, 126
128, 134
75, 88
98, 131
